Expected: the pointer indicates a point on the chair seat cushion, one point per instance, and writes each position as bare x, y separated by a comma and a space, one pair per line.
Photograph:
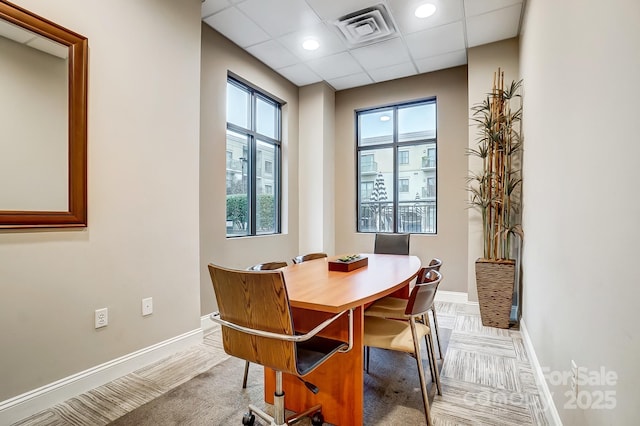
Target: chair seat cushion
315, 350
387, 307
391, 334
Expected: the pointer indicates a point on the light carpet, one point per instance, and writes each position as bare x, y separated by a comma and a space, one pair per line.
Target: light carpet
392, 395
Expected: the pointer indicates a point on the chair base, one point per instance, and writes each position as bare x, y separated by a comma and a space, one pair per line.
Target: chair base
316, 420
278, 418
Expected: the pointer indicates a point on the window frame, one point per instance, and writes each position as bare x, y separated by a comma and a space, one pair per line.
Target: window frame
396, 147
253, 138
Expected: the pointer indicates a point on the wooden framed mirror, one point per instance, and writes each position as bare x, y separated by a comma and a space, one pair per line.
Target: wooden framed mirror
43, 122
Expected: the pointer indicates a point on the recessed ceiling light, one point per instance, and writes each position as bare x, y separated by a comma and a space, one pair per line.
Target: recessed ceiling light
385, 118
310, 44
425, 10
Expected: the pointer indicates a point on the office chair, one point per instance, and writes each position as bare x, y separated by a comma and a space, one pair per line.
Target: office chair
391, 244
405, 335
310, 256
393, 307
267, 266
257, 326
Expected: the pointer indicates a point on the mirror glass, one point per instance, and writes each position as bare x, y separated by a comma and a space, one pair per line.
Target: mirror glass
43, 75
33, 118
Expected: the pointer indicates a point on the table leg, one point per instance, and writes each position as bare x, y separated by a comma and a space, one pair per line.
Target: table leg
340, 379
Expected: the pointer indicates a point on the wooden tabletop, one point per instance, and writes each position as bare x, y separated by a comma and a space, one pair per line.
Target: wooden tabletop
312, 286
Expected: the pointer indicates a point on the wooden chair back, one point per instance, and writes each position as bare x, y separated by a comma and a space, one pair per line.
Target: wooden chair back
310, 256
257, 300
423, 294
268, 266
391, 244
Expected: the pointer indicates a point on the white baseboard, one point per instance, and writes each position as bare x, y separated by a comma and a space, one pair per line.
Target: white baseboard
452, 296
547, 399
34, 401
206, 323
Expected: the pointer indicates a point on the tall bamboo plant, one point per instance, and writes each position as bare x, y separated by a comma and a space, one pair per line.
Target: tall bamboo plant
495, 191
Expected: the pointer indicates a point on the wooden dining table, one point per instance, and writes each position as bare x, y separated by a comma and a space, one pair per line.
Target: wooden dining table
315, 293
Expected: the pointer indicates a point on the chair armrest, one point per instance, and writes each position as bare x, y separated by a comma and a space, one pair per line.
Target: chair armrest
287, 337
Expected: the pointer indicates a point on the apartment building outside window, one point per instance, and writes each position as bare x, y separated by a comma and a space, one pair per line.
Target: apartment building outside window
397, 168
253, 161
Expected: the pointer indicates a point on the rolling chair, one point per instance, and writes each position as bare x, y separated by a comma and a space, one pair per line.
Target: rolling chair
393, 307
391, 244
267, 266
405, 335
310, 256
257, 326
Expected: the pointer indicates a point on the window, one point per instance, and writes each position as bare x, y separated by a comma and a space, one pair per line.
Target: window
403, 157
367, 164
394, 194
366, 188
404, 185
253, 137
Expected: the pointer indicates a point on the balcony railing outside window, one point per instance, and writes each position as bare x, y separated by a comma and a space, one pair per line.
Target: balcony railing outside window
428, 162
414, 216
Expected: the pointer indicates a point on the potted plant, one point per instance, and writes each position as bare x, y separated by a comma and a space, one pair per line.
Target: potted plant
495, 192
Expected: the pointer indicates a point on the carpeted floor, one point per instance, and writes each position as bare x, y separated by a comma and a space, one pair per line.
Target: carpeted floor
392, 395
487, 379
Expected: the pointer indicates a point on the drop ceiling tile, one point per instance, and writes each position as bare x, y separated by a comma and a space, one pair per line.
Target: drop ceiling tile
335, 66
330, 43
236, 27
273, 54
436, 41
447, 11
440, 62
346, 82
279, 17
493, 26
391, 73
209, 7
475, 7
331, 10
299, 74
383, 54
272, 31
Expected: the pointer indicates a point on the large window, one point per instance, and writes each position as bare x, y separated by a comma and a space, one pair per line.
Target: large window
253, 161
397, 167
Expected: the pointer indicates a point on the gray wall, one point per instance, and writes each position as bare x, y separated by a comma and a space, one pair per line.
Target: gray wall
219, 56
450, 244
142, 239
581, 208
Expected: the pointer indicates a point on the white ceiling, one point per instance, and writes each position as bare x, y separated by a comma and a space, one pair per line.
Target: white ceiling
273, 32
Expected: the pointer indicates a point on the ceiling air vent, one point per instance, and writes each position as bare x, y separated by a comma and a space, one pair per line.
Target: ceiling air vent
366, 26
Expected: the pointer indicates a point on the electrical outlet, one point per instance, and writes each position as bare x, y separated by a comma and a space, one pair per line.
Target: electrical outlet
147, 306
102, 317
573, 381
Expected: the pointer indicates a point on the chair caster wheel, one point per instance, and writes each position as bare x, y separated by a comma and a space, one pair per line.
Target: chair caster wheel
248, 419
317, 419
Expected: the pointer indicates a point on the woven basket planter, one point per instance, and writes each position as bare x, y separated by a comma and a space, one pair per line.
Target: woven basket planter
495, 281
